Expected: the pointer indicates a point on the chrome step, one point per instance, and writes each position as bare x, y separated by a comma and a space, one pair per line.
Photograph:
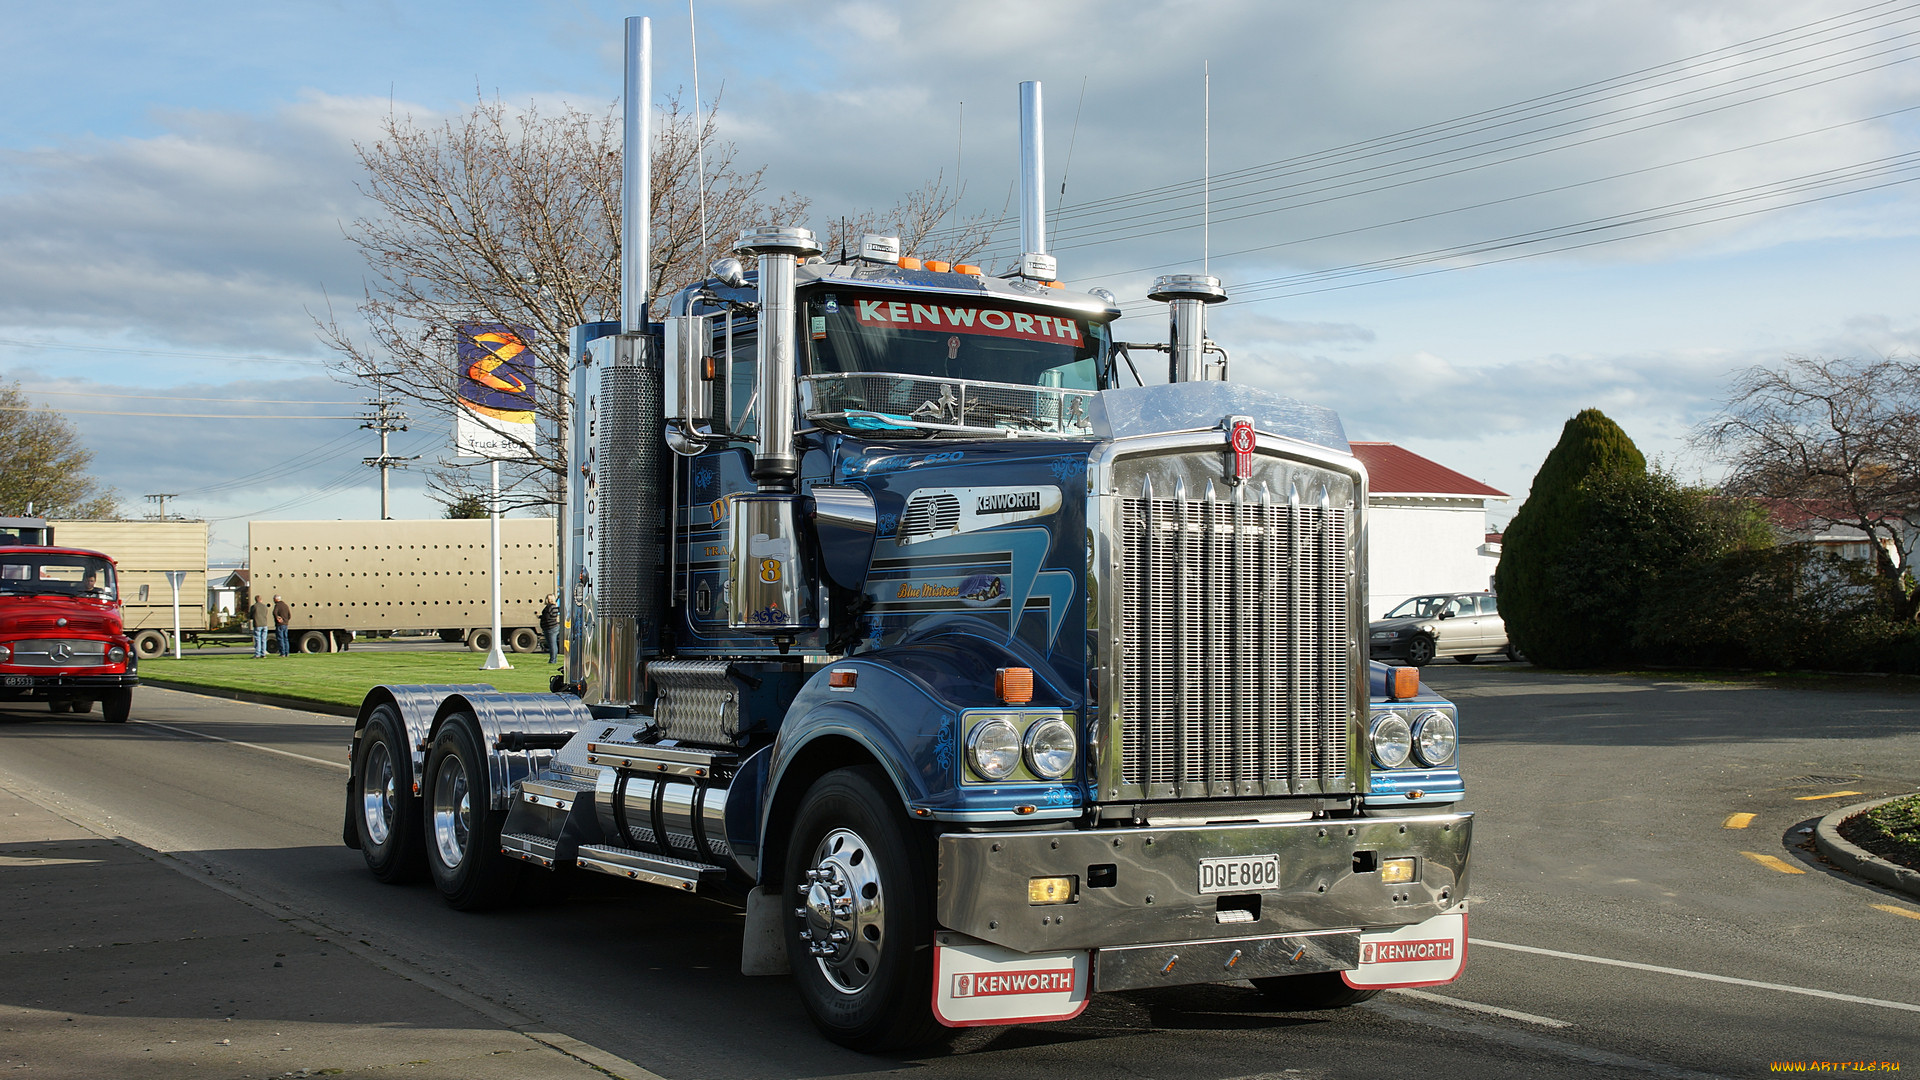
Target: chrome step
669, 760
655, 869
555, 791
526, 846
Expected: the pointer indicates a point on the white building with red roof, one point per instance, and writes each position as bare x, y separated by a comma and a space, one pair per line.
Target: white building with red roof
1427, 527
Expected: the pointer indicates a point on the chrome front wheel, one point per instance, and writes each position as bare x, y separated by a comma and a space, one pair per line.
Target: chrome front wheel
844, 927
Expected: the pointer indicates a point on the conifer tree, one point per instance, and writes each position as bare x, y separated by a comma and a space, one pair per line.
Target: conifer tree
1546, 532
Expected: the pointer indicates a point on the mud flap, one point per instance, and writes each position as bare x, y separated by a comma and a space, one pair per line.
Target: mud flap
1424, 954
975, 983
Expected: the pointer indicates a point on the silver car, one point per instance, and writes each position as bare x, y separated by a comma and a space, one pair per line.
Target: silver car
1465, 626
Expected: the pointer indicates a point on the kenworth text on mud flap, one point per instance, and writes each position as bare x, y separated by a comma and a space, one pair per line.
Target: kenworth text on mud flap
61, 638
990, 683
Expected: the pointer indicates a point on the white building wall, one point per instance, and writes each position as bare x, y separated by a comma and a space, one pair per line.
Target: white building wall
1424, 548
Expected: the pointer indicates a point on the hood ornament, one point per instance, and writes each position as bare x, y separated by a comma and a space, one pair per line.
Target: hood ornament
1241, 441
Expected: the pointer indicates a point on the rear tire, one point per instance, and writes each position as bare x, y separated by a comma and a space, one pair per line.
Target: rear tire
312, 641
381, 803
148, 644
523, 639
461, 828
480, 640
115, 707
851, 845
1311, 993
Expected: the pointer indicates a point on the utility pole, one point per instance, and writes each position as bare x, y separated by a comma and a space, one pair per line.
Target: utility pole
162, 498
387, 419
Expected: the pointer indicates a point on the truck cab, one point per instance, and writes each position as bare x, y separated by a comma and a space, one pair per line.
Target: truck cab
61, 639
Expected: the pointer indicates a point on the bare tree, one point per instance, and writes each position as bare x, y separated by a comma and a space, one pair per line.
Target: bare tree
46, 465
1838, 441
512, 216
927, 222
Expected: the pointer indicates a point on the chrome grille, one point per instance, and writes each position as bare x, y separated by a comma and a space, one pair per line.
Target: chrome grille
59, 653
1234, 626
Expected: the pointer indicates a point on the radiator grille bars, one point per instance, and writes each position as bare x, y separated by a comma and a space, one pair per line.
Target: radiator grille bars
1234, 626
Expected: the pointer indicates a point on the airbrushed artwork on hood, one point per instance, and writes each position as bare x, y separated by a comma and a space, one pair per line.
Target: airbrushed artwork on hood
934, 513
975, 574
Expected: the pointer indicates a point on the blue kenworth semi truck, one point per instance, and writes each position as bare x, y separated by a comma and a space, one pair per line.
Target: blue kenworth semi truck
988, 676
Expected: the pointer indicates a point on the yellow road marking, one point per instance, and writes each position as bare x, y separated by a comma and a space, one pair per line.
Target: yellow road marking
1773, 863
1828, 795
1737, 821
1898, 911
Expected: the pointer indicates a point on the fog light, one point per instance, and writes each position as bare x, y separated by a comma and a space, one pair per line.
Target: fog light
1396, 871
1050, 890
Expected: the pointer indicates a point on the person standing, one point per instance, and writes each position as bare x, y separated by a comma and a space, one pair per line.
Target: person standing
550, 627
282, 618
262, 615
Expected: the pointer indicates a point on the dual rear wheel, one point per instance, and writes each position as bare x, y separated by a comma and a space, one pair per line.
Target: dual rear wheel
451, 833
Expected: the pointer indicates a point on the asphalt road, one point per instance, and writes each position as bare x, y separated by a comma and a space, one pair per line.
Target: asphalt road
1626, 920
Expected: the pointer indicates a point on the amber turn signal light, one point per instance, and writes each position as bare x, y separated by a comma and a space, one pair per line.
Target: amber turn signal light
1013, 685
843, 679
1403, 682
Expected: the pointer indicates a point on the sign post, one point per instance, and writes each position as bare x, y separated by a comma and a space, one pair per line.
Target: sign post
176, 578
494, 418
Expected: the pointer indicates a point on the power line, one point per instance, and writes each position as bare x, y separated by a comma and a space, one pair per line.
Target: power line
27, 344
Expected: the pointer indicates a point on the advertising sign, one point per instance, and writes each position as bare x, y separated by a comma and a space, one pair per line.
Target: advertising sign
493, 414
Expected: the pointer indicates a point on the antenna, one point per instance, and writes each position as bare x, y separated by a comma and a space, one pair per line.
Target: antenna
699, 132
1206, 165
1071, 138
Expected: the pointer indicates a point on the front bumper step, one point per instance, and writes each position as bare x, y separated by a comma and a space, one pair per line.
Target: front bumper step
1132, 967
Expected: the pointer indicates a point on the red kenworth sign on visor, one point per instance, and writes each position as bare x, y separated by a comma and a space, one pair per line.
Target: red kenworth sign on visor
991, 322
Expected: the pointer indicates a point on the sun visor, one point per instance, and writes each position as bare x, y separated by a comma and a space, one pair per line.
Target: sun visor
1201, 406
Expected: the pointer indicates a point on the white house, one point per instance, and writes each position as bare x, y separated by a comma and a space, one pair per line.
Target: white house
1427, 527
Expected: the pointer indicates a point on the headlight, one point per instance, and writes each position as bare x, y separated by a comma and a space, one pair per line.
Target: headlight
1391, 739
1385, 635
116, 655
6, 654
1434, 739
993, 749
1050, 748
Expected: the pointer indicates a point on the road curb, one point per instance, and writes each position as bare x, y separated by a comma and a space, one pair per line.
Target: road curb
1857, 860
277, 700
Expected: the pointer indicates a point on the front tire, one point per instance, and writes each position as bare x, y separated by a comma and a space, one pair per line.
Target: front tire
312, 641
860, 931
115, 707
462, 829
380, 800
1420, 653
1311, 993
480, 640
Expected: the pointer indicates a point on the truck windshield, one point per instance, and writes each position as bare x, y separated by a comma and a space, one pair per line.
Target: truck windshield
42, 574
956, 365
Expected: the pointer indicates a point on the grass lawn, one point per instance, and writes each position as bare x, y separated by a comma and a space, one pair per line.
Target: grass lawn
344, 678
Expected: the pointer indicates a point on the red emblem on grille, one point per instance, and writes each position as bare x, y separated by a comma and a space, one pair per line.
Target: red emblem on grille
1242, 440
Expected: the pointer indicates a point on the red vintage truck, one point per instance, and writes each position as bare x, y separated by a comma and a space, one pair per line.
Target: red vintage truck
61, 638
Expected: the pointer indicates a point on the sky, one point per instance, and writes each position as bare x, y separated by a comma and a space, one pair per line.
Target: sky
1457, 223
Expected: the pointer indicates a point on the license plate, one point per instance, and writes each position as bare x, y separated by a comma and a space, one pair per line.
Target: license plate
1242, 873
19, 680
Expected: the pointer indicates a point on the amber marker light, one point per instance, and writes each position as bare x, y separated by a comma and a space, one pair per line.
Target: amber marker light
968, 268
843, 679
938, 267
1050, 890
1013, 685
1403, 682
1396, 871
908, 262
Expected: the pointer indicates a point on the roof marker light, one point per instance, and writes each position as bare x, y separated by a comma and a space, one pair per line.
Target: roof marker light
908, 262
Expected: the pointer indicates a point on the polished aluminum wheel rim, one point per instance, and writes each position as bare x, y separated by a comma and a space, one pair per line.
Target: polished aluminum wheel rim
452, 812
377, 799
841, 911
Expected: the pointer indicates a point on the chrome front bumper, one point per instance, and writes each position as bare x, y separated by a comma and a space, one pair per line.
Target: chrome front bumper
1139, 887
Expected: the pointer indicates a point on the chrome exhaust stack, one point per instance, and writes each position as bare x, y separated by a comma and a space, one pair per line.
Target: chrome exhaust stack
1187, 297
1035, 263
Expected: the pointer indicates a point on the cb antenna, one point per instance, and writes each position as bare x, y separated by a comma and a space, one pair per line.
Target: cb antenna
699, 131
1206, 165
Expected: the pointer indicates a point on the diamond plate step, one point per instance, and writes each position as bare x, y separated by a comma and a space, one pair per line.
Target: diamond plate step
656, 869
